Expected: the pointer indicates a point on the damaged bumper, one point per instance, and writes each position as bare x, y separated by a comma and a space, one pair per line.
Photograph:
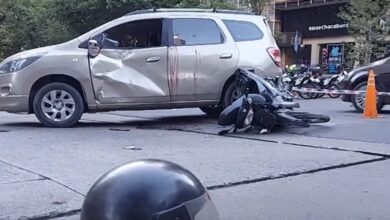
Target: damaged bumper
14, 103
10, 101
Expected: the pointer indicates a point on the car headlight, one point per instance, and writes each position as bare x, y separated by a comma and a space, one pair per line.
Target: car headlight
17, 65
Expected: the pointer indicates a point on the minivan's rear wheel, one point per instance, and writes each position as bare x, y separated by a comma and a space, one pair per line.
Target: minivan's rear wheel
58, 105
359, 101
232, 93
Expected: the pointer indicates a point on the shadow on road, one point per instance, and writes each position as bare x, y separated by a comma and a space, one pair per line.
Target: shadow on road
141, 123
348, 113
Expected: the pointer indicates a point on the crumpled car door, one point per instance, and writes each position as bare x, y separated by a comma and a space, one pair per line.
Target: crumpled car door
132, 65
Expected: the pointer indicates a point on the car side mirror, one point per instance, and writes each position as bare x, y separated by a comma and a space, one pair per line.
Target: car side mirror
178, 41
93, 48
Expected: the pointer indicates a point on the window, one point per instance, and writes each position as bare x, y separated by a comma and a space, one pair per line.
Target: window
136, 34
192, 31
243, 30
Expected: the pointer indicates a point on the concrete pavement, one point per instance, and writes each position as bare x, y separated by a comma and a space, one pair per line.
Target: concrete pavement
357, 192
331, 171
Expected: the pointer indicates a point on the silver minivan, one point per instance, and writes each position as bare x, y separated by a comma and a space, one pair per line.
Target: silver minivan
151, 59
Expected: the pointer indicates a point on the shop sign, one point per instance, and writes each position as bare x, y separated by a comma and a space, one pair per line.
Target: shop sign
315, 22
335, 57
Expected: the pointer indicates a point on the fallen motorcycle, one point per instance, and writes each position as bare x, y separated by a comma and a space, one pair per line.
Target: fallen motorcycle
262, 107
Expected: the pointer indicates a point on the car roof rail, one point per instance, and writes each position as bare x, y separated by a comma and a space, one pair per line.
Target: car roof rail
201, 10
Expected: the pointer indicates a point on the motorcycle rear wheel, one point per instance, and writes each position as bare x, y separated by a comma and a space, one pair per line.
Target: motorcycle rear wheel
334, 87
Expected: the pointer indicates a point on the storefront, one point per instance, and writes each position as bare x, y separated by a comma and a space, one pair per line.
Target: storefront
314, 34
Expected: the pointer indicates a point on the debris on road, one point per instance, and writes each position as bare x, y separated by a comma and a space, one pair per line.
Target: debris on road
4, 131
58, 202
119, 129
132, 148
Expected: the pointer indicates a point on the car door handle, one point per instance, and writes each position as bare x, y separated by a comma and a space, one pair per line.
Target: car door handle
226, 56
153, 59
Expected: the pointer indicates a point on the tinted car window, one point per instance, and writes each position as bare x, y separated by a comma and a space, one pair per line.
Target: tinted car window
188, 31
136, 34
243, 30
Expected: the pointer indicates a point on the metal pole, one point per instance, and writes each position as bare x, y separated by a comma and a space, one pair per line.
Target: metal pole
273, 23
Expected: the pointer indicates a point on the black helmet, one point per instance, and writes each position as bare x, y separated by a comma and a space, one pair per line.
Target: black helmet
148, 190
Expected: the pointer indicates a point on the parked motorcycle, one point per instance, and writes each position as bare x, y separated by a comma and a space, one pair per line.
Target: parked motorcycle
282, 87
262, 107
342, 75
329, 82
302, 77
309, 82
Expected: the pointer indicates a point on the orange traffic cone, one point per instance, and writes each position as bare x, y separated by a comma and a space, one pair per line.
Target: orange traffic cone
370, 110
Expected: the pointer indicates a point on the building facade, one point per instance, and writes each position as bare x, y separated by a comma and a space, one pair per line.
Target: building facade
307, 31
310, 31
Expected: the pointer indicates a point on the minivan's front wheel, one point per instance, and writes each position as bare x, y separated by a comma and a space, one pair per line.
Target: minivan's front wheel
58, 105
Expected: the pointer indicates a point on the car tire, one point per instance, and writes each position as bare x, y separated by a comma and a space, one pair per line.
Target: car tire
358, 100
231, 94
58, 105
212, 111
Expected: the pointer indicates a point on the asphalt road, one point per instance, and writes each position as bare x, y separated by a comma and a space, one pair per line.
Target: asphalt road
338, 170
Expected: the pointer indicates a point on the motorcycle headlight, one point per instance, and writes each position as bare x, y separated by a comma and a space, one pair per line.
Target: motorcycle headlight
17, 65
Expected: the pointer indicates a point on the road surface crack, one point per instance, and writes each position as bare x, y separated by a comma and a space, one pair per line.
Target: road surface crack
43, 177
24, 181
246, 138
53, 215
263, 179
280, 142
383, 157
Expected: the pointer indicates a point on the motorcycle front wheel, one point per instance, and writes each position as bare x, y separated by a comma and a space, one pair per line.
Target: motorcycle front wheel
318, 95
309, 118
287, 120
306, 95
